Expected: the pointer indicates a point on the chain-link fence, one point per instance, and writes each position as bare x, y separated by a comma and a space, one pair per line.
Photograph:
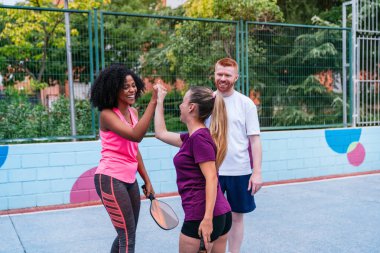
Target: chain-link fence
176, 51
293, 73
34, 98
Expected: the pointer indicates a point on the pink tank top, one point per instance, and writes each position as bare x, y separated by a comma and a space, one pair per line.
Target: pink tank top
119, 155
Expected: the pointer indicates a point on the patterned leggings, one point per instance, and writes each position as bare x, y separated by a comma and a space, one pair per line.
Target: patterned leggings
122, 202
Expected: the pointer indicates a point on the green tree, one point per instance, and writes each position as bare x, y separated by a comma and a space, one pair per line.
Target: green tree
301, 11
255, 10
304, 100
28, 37
192, 47
125, 37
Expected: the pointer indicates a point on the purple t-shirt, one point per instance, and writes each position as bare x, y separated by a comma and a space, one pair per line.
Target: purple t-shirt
195, 149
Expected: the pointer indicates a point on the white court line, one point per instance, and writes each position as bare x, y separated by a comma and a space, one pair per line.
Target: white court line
52, 211
74, 208
171, 197
322, 180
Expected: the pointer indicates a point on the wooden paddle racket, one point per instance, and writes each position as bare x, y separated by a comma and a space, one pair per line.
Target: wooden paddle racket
162, 213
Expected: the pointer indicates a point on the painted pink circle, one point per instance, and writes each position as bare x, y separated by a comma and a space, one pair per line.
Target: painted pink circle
83, 189
356, 155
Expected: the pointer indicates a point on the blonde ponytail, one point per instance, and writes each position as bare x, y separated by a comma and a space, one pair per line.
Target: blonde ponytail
210, 103
218, 128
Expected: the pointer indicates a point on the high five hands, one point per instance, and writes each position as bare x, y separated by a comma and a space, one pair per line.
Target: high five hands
161, 92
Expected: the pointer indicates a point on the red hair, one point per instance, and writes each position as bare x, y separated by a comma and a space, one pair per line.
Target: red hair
228, 62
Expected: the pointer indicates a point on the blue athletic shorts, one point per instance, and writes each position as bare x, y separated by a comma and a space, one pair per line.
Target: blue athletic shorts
240, 199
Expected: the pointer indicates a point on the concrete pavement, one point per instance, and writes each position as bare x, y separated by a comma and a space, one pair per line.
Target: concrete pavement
338, 215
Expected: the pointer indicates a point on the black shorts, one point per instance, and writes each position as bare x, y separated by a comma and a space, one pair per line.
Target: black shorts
221, 226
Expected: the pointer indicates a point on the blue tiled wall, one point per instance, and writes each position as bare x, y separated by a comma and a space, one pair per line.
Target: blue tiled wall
44, 174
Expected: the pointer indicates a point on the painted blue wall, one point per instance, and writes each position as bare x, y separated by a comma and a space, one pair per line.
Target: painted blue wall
49, 173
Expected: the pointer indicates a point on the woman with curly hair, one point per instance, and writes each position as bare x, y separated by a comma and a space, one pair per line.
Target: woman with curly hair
113, 93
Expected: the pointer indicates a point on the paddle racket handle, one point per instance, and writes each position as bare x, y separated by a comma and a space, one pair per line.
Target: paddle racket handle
151, 196
202, 248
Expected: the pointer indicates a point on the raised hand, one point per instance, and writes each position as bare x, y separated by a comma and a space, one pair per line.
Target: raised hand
161, 92
154, 93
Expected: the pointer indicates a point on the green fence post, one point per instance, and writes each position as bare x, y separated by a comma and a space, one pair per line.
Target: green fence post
102, 39
91, 69
96, 41
352, 91
242, 56
246, 59
237, 37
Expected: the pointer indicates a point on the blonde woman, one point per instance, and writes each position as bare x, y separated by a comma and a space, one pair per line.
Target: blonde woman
202, 150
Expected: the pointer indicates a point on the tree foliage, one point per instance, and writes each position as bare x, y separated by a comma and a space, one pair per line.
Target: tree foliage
189, 49
306, 101
28, 38
255, 10
301, 11
39, 121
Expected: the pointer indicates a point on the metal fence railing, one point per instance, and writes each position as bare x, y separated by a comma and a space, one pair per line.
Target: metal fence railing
292, 72
366, 27
34, 89
368, 83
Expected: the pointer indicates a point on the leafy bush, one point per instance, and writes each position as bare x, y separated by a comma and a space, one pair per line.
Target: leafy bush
20, 118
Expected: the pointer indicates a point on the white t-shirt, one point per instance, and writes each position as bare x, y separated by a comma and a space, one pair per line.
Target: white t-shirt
242, 122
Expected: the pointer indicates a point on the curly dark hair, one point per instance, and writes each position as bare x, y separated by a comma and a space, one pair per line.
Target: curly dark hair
106, 88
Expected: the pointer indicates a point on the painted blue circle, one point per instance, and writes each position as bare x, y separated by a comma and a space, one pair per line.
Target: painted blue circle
340, 140
3, 154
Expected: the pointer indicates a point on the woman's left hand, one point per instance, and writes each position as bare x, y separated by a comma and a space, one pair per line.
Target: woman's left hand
148, 189
205, 230
161, 93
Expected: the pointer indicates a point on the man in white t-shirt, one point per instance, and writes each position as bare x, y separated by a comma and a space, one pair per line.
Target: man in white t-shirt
235, 174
